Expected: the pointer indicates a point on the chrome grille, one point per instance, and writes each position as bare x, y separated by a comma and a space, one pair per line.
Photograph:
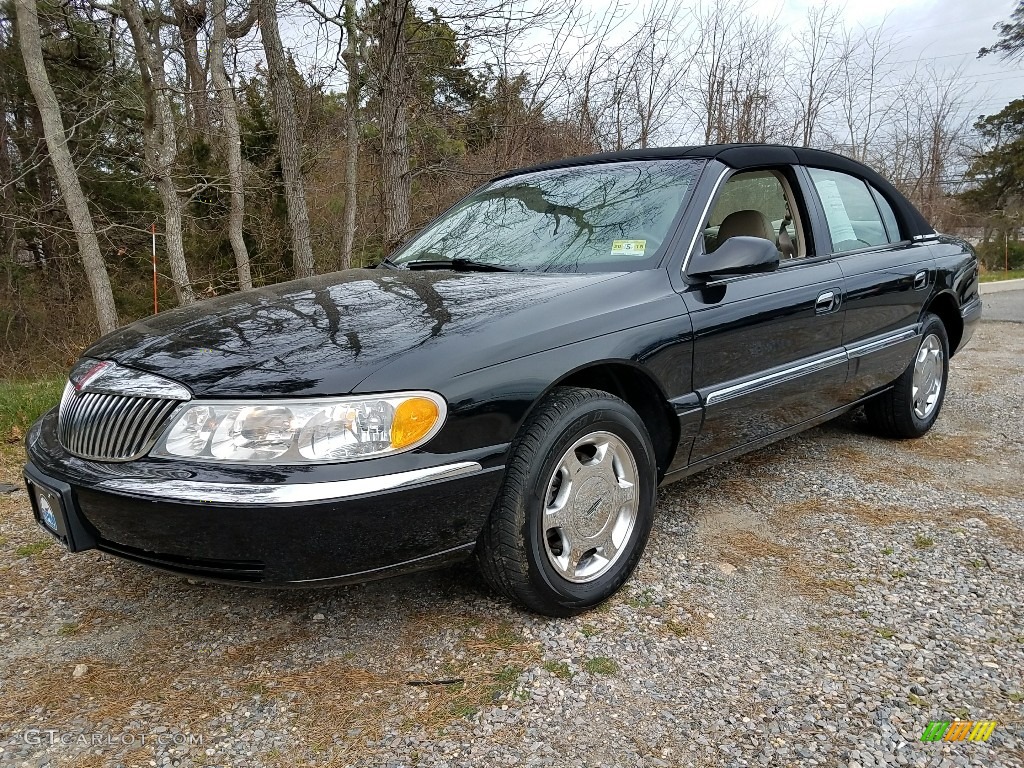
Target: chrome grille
110, 427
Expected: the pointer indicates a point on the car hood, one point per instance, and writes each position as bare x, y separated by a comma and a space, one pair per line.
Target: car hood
325, 334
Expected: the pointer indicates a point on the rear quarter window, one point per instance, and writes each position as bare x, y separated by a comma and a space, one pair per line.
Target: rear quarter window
892, 226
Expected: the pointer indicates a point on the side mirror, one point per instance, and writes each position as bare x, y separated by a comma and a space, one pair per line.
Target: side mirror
736, 256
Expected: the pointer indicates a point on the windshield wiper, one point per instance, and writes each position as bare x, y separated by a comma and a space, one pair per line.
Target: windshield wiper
459, 265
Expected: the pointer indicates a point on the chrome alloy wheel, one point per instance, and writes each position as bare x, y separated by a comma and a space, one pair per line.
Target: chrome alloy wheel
928, 370
590, 507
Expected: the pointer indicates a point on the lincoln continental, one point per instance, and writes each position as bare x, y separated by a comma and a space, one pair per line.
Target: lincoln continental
515, 382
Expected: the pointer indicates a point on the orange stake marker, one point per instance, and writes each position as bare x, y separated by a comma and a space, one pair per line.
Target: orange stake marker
153, 230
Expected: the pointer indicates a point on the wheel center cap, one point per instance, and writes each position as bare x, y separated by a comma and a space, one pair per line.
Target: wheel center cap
588, 506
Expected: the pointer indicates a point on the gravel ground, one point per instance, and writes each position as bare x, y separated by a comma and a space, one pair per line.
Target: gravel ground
815, 603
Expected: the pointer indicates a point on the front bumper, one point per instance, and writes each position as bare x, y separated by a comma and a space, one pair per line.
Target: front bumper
296, 526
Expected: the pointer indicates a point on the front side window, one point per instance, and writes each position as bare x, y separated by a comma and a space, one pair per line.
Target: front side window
850, 210
593, 218
756, 204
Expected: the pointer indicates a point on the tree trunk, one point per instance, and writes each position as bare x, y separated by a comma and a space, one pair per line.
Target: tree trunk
225, 99
288, 145
160, 139
189, 18
396, 182
8, 203
348, 234
60, 157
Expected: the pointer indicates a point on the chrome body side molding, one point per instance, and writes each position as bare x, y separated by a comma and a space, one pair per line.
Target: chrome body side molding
879, 343
776, 377
809, 365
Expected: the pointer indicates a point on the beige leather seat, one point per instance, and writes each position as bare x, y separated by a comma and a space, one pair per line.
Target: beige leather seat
748, 223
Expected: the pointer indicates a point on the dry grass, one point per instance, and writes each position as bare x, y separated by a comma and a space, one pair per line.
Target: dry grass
877, 515
328, 698
1011, 534
740, 546
803, 581
872, 468
989, 488
695, 623
788, 515
184, 687
335, 697
952, 448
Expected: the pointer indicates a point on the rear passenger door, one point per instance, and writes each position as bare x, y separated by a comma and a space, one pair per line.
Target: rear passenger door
886, 277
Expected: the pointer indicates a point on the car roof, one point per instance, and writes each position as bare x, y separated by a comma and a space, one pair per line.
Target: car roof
749, 156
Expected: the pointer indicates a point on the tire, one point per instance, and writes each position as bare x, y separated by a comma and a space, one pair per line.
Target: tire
564, 535
911, 406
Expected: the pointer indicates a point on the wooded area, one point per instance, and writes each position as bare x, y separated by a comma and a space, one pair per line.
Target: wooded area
270, 140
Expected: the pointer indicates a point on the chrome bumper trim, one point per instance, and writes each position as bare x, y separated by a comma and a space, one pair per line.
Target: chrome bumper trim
193, 491
974, 306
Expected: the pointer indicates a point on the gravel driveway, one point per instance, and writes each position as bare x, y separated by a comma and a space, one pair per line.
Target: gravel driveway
815, 603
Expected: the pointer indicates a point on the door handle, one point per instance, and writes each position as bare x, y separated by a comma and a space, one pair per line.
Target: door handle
826, 302
920, 280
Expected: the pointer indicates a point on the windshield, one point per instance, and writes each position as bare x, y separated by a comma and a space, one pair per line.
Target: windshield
589, 218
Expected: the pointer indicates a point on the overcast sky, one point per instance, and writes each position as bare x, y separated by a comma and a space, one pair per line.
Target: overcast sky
943, 33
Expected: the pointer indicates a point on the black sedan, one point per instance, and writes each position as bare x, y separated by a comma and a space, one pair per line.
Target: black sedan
516, 381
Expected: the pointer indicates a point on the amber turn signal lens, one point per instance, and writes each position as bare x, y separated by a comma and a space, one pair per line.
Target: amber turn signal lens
413, 419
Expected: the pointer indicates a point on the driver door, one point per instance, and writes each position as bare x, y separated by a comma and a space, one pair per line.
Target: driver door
768, 352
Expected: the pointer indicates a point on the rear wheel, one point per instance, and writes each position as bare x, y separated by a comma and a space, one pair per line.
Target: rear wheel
576, 505
911, 407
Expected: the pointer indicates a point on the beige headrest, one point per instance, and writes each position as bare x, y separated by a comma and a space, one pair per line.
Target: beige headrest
747, 223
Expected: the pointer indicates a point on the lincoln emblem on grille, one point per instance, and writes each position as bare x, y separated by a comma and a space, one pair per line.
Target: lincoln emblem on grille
113, 413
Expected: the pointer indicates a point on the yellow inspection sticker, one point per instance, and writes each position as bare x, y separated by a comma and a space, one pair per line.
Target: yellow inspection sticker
629, 247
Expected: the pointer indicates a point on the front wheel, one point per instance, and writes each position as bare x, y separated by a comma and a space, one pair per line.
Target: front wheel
576, 505
911, 407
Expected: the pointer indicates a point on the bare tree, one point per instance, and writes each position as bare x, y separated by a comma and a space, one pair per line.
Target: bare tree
659, 71
639, 87
866, 100
63, 166
289, 145
922, 149
737, 76
819, 63
160, 133
224, 97
190, 18
351, 58
390, 65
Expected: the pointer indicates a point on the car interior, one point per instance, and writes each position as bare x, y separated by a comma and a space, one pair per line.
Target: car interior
757, 204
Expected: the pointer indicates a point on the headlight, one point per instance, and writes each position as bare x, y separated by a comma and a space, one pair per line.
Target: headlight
303, 431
